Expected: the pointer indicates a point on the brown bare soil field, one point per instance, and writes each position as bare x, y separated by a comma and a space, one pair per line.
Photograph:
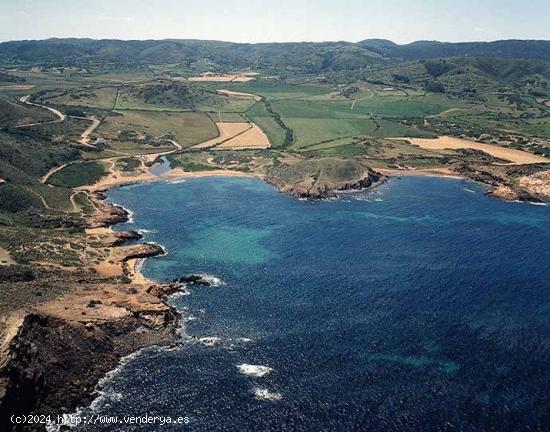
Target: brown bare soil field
240, 94
227, 130
221, 78
253, 138
16, 87
447, 142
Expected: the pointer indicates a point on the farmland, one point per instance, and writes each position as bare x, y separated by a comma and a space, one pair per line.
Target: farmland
284, 119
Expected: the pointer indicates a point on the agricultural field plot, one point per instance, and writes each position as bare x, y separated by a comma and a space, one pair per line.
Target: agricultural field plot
484, 120
538, 127
4, 87
226, 131
252, 138
237, 136
395, 106
379, 150
178, 97
103, 97
324, 109
273, 90
227, 117
187, 128
272, 129
309, 131
239, 94
445, 142
221, 78
130, 148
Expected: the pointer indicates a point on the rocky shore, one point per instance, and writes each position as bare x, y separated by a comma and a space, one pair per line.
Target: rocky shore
529, 183
53, 354
311, 188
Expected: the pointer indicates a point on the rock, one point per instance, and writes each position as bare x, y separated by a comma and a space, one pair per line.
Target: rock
194, 279
123, 236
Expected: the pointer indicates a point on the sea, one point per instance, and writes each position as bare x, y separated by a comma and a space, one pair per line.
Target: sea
420, 305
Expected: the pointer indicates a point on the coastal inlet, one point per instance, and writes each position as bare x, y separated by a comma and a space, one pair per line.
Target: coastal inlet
418, 305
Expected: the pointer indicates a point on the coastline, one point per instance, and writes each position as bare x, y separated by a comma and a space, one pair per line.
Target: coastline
111, 180
110, 317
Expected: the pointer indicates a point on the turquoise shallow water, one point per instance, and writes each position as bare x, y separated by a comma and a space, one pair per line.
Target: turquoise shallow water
422, 305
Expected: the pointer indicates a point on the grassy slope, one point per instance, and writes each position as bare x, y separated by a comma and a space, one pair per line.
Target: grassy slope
188, 128
78, 175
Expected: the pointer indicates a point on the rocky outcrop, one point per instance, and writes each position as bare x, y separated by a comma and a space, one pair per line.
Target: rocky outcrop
501, 179
44, 372
109, 215
122, 237
311, 188
53, 358
193, 279
137, 251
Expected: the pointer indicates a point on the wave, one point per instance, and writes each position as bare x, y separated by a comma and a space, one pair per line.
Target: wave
129, 214
212, 280
177, 181
146, 231
209, 341
257, 371
265, 394
179, 294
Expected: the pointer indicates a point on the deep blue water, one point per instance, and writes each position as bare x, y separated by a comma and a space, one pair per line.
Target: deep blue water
421, 306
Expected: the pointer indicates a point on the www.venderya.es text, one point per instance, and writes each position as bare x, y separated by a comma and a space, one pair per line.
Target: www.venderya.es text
75, 420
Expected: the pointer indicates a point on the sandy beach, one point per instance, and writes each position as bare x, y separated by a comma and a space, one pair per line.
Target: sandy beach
117, 263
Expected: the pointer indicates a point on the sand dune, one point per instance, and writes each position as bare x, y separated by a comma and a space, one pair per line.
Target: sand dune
447, 142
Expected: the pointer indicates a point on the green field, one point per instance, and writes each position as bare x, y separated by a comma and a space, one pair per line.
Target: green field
78, 175
271, 89
188, 128
271, 128
198, 100
309, 131
103, 98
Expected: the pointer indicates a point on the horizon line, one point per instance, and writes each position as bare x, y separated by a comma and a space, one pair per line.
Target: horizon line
270, 42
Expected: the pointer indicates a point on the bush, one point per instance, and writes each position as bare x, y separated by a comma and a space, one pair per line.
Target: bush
434, 87
16, 273
14, 199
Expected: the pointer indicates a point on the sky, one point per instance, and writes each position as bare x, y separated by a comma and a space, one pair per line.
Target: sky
402, 21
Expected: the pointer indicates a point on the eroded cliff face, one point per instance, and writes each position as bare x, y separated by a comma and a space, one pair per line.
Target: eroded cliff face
53, 364
53, 353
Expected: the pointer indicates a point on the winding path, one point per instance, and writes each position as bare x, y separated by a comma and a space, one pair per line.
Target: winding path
85, 136
45, 178
60, 116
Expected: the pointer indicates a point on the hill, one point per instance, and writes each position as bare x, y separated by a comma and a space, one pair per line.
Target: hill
117, 53
528, 49
13, 113
305, 56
